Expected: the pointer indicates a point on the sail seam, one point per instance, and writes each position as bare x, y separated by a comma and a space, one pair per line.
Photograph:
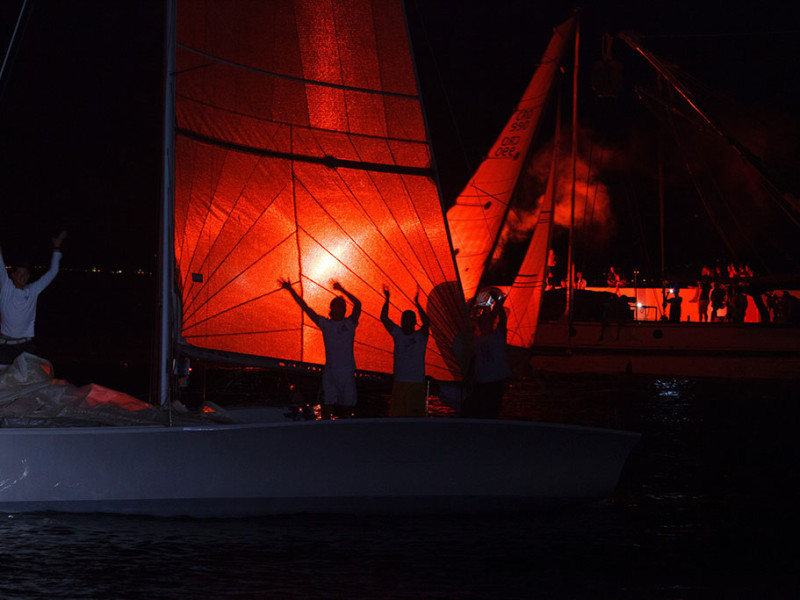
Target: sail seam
193, 307
191, 300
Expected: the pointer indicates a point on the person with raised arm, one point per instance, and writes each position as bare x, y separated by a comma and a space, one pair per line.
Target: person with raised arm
338, 335
18, 298
491, 367
408, 388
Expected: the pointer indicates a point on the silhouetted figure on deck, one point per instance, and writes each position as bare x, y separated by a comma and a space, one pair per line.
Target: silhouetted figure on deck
613, 279
338, 334
717, 298
786, 308
703, 294
673, 300
408, 387
490, 361
736, 303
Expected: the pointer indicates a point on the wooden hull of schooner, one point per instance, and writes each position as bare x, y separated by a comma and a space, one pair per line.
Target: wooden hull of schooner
346, 466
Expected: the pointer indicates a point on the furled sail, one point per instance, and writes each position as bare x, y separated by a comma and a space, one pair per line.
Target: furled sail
302, 153
476, 219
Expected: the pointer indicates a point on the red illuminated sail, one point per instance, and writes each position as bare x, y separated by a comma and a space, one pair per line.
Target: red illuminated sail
525, 296
301, 153
477, 217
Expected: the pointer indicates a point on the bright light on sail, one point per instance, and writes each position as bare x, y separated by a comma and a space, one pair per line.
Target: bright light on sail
324, 266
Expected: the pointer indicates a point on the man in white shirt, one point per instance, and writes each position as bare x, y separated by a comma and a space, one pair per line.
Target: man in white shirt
18, 298
410, 343
338, 334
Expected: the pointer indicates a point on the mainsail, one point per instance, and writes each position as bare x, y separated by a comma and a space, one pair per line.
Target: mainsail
476, 219
302, 153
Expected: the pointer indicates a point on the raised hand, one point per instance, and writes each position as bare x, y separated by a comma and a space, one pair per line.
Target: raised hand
57, 241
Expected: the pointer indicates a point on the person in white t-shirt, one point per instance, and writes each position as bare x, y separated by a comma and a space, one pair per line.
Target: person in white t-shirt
410, 343
338, 335
18, 298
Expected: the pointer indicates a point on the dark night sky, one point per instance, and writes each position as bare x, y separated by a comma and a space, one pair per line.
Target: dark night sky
80, 107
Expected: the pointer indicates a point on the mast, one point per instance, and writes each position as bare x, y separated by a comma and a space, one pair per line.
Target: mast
570, 266
166, 264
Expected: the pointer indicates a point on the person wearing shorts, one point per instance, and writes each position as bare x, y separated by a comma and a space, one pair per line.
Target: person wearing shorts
409, 392
338, 335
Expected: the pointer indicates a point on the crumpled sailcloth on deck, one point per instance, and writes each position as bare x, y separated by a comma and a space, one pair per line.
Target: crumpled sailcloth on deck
28, 391
477, 217
301, 153
31, 397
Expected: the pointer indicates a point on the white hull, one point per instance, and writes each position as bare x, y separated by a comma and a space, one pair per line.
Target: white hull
688, 349
356, 465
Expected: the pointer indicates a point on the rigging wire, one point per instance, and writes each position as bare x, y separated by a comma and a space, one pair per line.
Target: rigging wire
784, 201
743, 231
709, 211
11, 46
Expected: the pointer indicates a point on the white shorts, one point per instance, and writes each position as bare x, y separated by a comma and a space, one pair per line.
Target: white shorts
339, 387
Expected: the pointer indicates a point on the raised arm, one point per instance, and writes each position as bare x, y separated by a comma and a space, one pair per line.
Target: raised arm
499, 307
356, 314
48, 277
423, 317
58, 240
286, 284
387, 322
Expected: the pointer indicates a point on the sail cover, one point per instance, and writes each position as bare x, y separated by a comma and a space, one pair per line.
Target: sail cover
477, 217
302, 154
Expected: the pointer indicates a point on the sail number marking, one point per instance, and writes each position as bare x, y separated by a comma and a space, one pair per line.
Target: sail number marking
508, 144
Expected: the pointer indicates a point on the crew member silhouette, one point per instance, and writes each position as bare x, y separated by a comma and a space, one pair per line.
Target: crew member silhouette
338, 334
410, 343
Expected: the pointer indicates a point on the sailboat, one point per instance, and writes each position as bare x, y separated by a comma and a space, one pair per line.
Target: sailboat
602, 330
645, 342
295, 146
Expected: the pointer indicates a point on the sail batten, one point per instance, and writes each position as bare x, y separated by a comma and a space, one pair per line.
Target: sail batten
302, 154
326, 160
339, 86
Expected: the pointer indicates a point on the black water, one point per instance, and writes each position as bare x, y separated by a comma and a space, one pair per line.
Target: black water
705, 508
